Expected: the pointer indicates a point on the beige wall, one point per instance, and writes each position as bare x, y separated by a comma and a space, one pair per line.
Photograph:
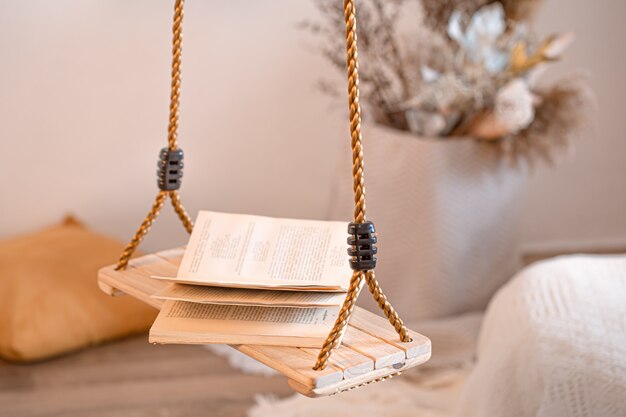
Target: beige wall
84, 108
582, 203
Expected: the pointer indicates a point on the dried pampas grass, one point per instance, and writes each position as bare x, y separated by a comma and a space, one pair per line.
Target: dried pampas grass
447, 77
437, 12
521, 10
563, 112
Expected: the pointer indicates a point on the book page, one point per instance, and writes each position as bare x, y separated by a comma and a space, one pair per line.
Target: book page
240, 296
184, 322
262, 252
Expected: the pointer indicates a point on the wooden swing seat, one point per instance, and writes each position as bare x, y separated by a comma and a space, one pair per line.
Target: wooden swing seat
371, 350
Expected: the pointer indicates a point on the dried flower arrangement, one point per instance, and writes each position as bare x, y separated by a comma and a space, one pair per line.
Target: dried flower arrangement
471, 70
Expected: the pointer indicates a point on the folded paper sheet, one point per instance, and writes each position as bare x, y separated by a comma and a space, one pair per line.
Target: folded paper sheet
245, 251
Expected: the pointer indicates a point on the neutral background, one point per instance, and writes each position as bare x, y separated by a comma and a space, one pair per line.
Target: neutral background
84, 87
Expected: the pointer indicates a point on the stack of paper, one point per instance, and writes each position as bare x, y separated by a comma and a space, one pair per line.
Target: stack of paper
256, 280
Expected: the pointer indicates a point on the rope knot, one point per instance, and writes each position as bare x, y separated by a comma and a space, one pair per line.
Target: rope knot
170, 172
362, 241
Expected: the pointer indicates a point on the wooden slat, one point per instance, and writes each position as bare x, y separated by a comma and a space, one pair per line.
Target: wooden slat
351, 362
382, 353
173, 256
294, 363
155, 265
379, 326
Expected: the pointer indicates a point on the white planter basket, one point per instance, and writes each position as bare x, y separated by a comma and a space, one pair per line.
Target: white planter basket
447, 215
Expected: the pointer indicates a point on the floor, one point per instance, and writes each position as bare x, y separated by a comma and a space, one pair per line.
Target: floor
132, 378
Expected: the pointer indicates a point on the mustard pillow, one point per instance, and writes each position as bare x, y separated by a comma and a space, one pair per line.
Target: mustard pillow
49, 298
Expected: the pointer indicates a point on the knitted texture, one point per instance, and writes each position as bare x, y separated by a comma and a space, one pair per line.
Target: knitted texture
553, 343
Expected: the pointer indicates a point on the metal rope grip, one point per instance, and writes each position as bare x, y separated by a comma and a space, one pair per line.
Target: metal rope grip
170, 172
362, 248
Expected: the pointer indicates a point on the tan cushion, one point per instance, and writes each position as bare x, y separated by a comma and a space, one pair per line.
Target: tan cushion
49, 298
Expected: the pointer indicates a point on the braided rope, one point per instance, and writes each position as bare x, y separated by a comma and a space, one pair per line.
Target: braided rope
142, 231
336, 333
180, 210
385, 306
172, 142
339, 328
177, 50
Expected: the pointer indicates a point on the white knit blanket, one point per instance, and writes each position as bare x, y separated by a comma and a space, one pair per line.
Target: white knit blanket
552, 343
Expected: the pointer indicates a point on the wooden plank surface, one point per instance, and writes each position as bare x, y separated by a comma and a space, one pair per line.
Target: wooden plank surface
351, 362
133, 378
294, 363
155, 265
381, 352
174, 256
380, 327
370, 349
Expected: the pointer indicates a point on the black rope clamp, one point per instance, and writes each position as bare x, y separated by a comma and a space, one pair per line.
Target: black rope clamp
362, 248
170, 172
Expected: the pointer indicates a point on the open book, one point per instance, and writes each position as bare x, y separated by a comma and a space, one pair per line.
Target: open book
195, 323
244, 251
241, 296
